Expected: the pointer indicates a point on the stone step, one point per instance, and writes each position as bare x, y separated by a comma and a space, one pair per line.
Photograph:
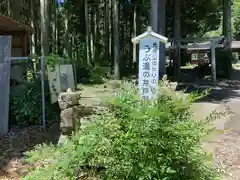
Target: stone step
92, 101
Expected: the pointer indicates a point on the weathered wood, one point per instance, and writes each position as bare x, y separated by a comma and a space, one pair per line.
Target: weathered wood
227, 23
5, 54
158, 24
154, 15
177, 35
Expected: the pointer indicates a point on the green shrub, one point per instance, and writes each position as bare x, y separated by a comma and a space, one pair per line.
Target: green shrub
92, 75
25, 107
97, 74
133, 139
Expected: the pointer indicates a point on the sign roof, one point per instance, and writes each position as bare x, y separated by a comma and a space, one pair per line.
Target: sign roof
149, 32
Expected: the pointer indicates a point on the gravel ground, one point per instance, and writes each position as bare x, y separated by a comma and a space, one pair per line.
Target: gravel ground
226, 151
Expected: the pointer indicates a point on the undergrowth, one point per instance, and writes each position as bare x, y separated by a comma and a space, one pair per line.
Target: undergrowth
131, 140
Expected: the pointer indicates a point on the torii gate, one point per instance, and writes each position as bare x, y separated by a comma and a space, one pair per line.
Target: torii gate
158, 17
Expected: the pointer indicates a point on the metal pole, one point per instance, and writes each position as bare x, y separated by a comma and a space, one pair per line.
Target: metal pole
43, 93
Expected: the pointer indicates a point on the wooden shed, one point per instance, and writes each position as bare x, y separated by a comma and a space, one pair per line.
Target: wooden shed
19, 33
236, 50
198, 54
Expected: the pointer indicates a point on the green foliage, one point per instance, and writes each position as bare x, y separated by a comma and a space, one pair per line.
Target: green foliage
52, 60
93, 75
132, 139
236, 19
25, 104
97, 74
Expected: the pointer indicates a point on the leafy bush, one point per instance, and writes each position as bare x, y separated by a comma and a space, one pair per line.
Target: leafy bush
26, 104
98, 74
92, 75
132, 139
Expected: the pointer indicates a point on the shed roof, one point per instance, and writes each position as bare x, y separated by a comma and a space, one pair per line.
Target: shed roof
10, 25
204, 45
207, 45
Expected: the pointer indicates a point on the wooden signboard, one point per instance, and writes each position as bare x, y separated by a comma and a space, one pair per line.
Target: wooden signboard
148, 74
5, 63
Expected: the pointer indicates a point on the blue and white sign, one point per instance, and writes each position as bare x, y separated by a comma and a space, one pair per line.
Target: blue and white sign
148, 62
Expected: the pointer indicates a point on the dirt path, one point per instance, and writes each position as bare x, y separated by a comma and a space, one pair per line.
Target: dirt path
18, 141
224, 141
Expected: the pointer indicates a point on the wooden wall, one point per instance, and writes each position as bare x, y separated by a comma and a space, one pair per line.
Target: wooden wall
19, 43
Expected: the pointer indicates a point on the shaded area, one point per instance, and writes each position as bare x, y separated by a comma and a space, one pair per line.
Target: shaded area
20, 140
220, 91
14, 145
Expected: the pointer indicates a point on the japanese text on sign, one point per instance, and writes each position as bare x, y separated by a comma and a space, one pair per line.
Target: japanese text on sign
148, 67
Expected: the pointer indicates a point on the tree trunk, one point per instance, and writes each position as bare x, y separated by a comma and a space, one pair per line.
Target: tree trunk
9, 11
33, 43
92, 32
44, 27
116, 38
66, 37
111, 48
97, 34
134, 32
177, 35
227, 24
56, 29
54, 26
87, 31
106, 31
158, 25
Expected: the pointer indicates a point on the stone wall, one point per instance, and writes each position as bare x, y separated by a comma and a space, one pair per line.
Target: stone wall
68, 103
74, 114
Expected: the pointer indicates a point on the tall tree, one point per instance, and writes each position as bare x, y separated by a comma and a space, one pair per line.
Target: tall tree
134, 30
116, 39
87, 30
227, 24
106, 29
44, 27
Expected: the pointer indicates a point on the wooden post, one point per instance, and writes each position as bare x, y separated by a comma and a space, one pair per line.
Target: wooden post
162, 26
155, 15
213, 61
227, 23
158, 24
177, 36
5, 54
